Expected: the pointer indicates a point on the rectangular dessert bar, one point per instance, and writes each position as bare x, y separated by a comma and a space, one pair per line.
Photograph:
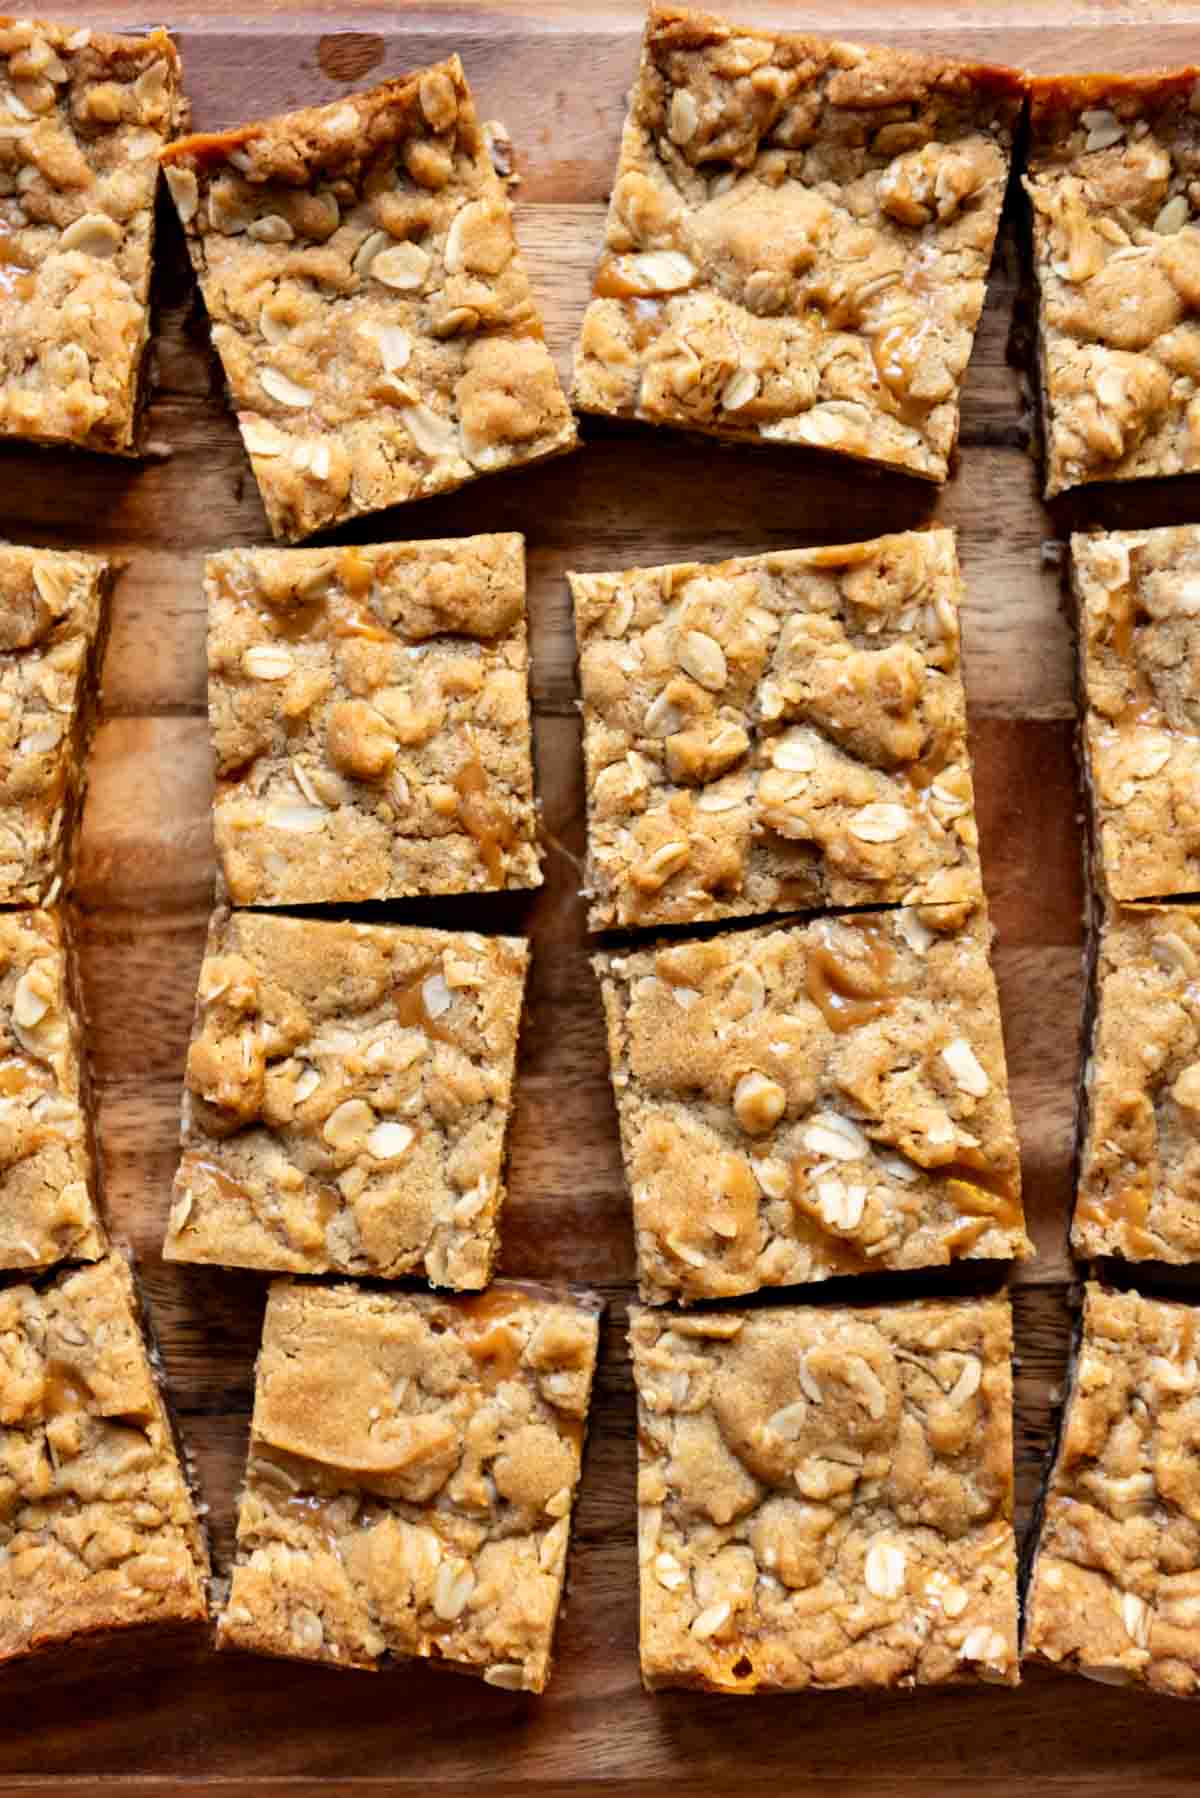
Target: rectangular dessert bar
1115, 1585
348, 1094
1139, 1177
83, 116
777, 732
53, 627
412, 1472
808, 1101
97, 1527
47, 1165
370, 718
798, 241
1112, 174
825, 1497
1138, 594
368, 301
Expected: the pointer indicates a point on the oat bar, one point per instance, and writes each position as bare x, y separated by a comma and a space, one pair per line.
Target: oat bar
53, 627
368, 301
1138, 594
47, 1166
1114, 162
776, 732
815, 1100
825, 1497
347, 1099
370, 717
1139, 1179
1115, 1587
798, 241
97, 1527
83, 117
413, 1466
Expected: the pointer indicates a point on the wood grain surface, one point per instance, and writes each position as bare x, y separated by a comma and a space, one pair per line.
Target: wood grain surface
157, 1715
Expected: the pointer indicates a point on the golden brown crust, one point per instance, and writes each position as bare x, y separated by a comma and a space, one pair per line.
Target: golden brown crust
798, 241
1139, 1181
48, 1207
413, 1465
1115, 1589
348, 1094
97, 1528
370, 717
1138, 592
83, 116
53, 626
368, 301
776, 732
810, 1101
1114, 162
825, 1497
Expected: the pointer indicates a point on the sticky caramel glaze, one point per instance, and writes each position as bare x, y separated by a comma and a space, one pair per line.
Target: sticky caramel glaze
1129, 1208
611, 284
413, 1013
63, 1389
483, 819
193, 1164
846, 996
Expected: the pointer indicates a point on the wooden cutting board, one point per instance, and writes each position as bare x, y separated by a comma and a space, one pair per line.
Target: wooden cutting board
154, 1717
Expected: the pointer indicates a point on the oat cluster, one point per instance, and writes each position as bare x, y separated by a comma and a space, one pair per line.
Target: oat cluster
83, 117
798, 241
825, 1497
413, 1465
777, 732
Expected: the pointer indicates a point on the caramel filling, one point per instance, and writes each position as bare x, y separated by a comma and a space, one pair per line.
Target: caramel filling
484, 819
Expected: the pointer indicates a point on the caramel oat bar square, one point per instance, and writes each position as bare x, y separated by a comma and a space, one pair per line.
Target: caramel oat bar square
368, 301
53, 628
370, 717
775, 733
47, 1165
1138, 594
1139, 1177
1114, 162
812, 1100
83, 117
1115, 1586
825, 1497
413, 1466
798, 241
97, 1527
347, 1100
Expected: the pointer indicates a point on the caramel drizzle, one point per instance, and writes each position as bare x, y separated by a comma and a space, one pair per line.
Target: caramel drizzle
846, 997
1126, 1210
63, 1389
483, 818
413, 1013
16, 275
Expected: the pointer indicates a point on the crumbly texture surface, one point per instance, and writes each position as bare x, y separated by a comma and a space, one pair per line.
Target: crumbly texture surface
1139, 1178
825, 1497
1138, 594
776, 732
1115, 1586
347, 1099
798, 241
370, 718
1114, 180
811, 1101
368, 302
413, 1466
83, 116
97, 1527
47, 1177
53, 626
